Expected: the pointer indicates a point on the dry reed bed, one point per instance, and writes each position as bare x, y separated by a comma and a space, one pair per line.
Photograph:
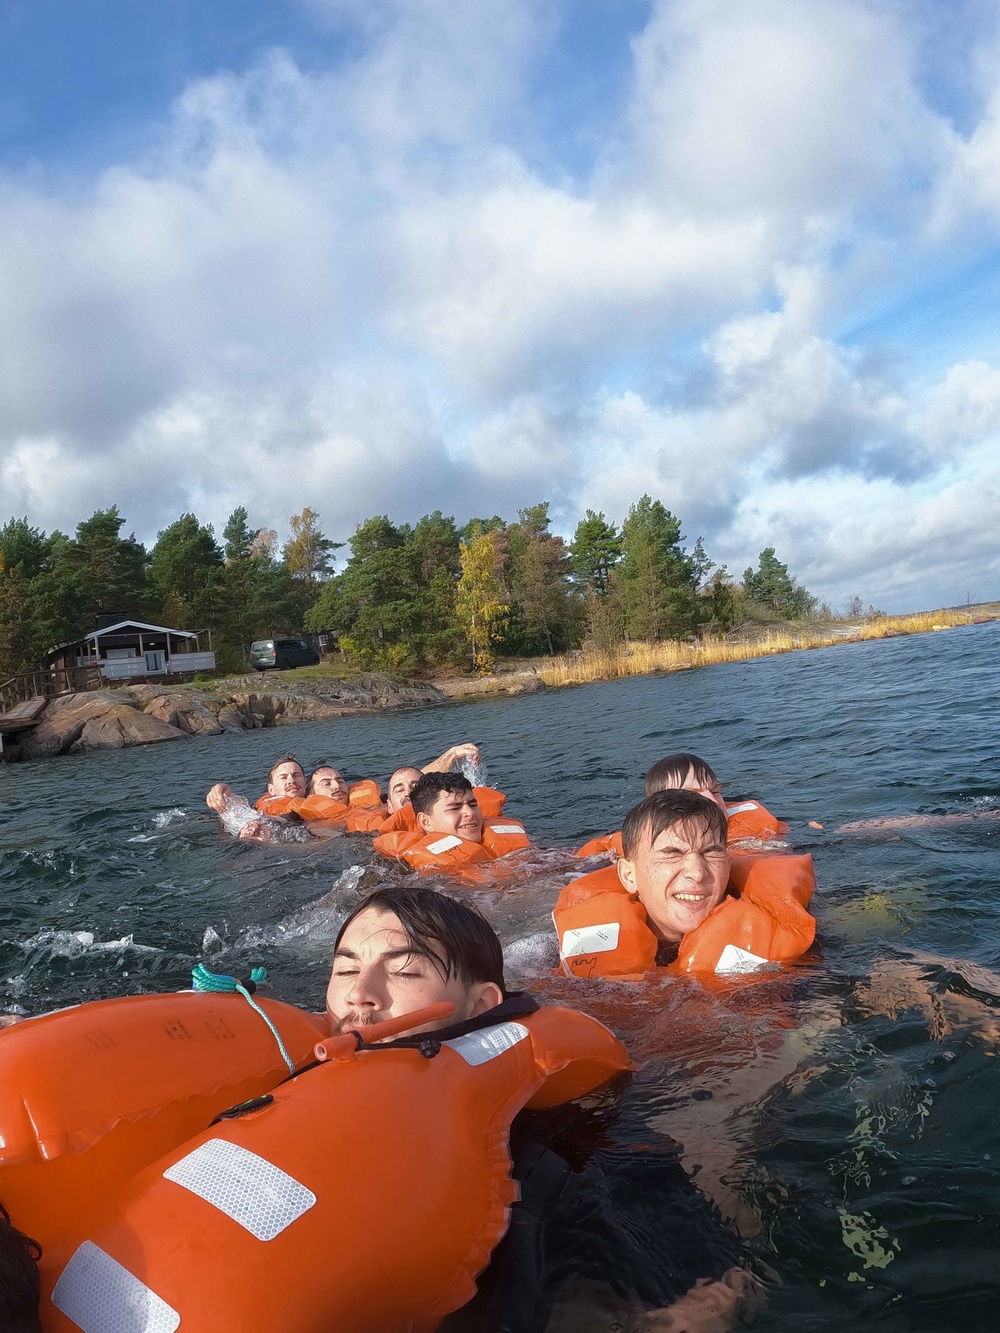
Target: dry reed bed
640, 659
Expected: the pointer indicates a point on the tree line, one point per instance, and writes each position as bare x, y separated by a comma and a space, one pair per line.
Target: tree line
408, 596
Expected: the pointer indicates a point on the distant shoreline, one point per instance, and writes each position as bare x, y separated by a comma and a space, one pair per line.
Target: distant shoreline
645, 659
146, 714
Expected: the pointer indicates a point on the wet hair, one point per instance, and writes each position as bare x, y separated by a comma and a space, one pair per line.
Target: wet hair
19, 1284
674, 770
321, 768
430, 787
665, 810
457, 940
286, 759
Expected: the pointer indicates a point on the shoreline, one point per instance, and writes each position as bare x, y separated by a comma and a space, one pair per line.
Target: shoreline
646, 659
145, 714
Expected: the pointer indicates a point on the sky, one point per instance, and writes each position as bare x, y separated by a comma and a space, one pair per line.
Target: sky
392, 256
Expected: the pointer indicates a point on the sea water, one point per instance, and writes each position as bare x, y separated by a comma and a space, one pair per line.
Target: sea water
842, 1114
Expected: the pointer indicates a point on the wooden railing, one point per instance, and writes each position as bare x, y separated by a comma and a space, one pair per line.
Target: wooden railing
48, 682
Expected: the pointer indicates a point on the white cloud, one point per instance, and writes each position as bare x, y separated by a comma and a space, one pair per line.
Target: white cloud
350, 289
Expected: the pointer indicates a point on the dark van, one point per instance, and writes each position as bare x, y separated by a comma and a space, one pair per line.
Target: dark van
282, 654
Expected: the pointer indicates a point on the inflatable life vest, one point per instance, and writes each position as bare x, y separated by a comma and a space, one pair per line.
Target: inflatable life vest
748, 819
361, 796
90, 1095
490, 801
365, 1195
446, 851
762, 921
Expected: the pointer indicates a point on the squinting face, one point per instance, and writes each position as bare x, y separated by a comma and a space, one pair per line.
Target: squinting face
328, 782
455, 812
287, 780
401, 784
679, 879
376, 975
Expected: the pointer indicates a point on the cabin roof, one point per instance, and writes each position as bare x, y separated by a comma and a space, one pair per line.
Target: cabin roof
135, 624
116, 629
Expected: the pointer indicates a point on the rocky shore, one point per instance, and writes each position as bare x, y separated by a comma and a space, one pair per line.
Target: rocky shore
144, 714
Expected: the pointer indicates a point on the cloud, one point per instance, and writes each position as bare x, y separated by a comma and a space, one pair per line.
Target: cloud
353, 286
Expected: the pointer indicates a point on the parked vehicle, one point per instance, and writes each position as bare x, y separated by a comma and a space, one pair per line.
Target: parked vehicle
282, 654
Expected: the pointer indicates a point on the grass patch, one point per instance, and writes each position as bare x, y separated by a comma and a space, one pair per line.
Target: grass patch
640, 659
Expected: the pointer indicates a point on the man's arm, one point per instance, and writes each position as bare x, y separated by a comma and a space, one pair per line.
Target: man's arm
452, 757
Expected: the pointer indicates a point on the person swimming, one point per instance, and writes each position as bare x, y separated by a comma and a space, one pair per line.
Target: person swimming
450, 829
747, 820
403, 949
287, 783
676, 896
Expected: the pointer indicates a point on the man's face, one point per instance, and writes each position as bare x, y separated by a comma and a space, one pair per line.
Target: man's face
287, 779
401, 784
328, 782
376, 975
455, 812
679, 878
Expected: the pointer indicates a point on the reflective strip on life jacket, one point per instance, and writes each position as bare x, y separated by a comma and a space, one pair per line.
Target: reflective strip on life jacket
762, 921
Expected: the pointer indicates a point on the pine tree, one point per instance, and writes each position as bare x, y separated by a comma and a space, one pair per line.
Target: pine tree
772, 587
657, 578
595, 549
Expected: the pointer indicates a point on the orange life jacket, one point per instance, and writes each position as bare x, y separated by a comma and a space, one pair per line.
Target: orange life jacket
603, 929
748, 819
92, 1094
252, 1224
360, 796
444, 851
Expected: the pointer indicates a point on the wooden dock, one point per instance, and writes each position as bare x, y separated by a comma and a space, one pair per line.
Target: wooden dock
22, 717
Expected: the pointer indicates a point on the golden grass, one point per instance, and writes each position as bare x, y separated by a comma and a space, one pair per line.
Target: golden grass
641, 659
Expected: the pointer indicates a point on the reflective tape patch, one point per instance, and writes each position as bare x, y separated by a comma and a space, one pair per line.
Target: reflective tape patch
249, 1189
590, 939
444, 844
101, 1296
476, 1048
735, 959
507, 828
743, 809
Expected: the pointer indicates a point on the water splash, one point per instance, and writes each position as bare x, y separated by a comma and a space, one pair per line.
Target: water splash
48, 944
475, 772
236, 815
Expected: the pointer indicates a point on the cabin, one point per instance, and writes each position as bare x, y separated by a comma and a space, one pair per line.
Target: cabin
131, 650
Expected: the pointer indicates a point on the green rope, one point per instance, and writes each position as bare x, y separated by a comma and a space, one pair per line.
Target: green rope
218, 984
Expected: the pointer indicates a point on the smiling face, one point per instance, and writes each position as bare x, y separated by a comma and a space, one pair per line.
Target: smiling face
378, 974
287, 779
328, 782
401, 784
679, 877
454, 812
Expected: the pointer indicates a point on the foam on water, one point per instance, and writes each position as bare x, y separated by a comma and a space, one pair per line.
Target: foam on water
47, 944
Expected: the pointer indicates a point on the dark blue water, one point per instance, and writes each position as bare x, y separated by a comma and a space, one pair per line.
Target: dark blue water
843, 1116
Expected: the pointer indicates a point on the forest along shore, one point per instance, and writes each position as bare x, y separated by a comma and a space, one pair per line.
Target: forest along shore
145, 714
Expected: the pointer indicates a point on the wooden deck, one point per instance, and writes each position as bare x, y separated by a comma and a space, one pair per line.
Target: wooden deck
22, 717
